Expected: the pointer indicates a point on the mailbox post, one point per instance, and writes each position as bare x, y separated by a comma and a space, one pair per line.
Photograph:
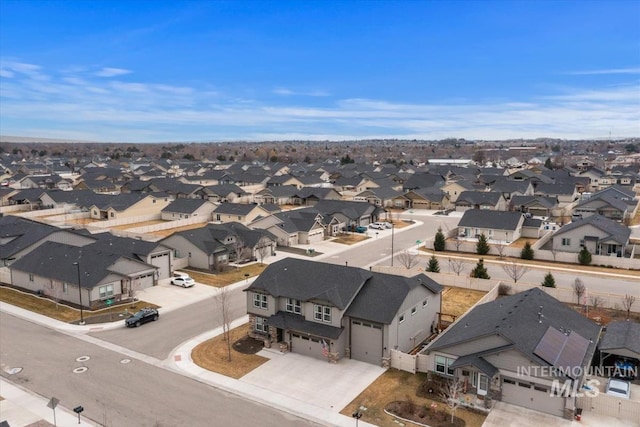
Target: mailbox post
77, 410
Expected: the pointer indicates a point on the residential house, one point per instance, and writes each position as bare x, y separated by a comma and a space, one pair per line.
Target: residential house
566, 193
278, 195
382, 196
294, 227
341, 215
513, 348
495, 225
615, 202
104, 277
489, 200
534, 205
127, 206
213, 246
187, 208
600, 235
238, 212
19, 236
224, 193
329, 311
423, 198
309, 196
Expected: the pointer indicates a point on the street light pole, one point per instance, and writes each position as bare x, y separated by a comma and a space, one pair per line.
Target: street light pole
392, 228
77, 264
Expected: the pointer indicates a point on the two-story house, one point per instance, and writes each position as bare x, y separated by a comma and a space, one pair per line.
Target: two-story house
332, 311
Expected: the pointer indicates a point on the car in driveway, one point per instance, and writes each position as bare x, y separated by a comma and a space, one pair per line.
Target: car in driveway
377, 225
619, 388
360, 229
182, 279
141, 317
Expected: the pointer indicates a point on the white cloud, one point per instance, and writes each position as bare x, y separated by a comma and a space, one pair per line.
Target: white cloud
113, 110
288, 92
112, 72
608, 71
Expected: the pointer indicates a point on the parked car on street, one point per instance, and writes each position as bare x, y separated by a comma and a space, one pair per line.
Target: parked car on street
182, 279
619, 388
145, 315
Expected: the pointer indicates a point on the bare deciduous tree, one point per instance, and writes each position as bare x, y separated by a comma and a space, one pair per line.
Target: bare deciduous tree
596, 301
223, 300
238, 247
554, 252
450, 394
54, 292
627, 302
500, 248
515, 270
134, 287
456, 265
578, 288
457, 242
408, 259
263, 248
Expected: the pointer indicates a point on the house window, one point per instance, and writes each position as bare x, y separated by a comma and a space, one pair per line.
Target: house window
566, 241
413, 310
112, 215
30, 277
217, 217
106, 291
95, 213
239, 218
64, 288
425, 302
154, 200
322, 313
260, 301
261, 325
293, 306
442, 365
401, 318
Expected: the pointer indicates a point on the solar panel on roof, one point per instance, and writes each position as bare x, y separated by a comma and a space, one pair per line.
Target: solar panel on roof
562, 350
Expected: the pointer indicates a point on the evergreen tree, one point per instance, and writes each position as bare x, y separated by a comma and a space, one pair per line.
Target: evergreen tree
584, 257
482, 247
527, 252
480, 271
549, 281
439, 241
434, 265
548, 164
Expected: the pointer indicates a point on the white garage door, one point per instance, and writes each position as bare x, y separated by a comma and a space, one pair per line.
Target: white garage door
366, 342
163, 264
531, 395
307, 345
316, 236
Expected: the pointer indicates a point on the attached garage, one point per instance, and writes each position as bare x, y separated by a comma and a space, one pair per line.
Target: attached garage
307, 345
163, 262
366, 342
531, 395
316, 236
145, 281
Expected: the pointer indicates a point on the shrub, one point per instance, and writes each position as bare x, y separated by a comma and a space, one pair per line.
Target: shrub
480, 271
434, 265
439, 241
584, 257
482, 247
504, 289
527, 252
549, 281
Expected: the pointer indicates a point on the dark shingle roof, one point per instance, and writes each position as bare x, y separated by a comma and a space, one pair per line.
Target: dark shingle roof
307, 280
480, 197
55, 260
497, 220
383, 294
235, 208
614, 229
187, 206
619, 335
516, 319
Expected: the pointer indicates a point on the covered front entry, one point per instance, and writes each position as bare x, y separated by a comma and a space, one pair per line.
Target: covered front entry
366, 342
308, 345
531, 395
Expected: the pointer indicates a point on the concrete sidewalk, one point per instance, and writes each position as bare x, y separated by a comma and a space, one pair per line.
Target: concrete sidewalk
22, 407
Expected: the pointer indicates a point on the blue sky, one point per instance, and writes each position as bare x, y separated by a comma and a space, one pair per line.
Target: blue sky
159, 71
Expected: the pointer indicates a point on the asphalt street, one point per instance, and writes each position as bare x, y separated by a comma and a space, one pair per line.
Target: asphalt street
116, 390
158, 339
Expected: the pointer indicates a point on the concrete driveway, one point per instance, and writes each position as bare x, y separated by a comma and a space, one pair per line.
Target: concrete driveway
506, 415
313, 381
